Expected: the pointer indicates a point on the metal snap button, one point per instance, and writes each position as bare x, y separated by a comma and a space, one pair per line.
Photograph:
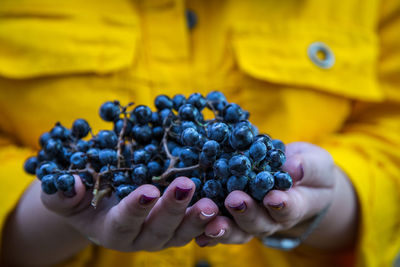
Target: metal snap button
191, 19
321, 55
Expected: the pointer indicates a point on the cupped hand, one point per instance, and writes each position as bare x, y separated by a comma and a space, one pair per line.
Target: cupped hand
314, 177
141, 221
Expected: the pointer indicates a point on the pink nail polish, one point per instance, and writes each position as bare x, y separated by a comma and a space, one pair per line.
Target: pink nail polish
239, 208
182, 193
146, 200
277, 206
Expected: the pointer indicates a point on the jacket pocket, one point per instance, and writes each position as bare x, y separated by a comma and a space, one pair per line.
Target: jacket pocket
53, 40
321, 58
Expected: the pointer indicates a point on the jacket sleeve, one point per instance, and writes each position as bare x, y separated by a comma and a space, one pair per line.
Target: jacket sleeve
368, 150
13, 179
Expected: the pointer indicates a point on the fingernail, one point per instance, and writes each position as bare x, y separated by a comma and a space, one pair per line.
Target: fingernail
239, 208
203, 243
219, 234
145, 200
301, 172
205, 216
70, 193
276, 206
182, 193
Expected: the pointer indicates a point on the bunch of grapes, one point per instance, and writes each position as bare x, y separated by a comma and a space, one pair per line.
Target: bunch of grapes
220, 155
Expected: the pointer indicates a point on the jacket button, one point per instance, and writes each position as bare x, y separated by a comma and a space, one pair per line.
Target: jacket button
191, 19
321, 55
203, 263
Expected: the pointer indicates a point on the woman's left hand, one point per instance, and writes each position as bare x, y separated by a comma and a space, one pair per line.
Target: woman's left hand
317, 183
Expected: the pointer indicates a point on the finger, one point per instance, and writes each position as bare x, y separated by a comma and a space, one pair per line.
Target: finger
288, 208
124, 221
196, 218
249, 215
223, 230
70, 203
166, 215
313, 167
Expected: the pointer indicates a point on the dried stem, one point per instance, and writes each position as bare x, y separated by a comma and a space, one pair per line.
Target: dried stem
99, 196
121, 140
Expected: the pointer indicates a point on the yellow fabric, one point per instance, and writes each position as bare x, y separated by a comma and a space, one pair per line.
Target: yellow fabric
59, 60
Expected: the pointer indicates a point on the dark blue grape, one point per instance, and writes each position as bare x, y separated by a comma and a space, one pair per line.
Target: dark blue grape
141, 156
241, 138
261, 185
276, 158
206, 161
78, 160
82, 146
188, 156
119, 125
46, 168
120, 178
236, 183
232, 113
143, 114
178, 101
107, 139
124, 190
93, 154
44, 138
221, 168
197, 182
140, 175
142, 134
162, 101
190, 137
60, 132
176, 152
278, 144
65, 182
197, 100
215, 98
257, 151
87, 179
166, 116
106, 171
108, 156
80, 128
283, 181
53, 148
239, 165
188, 112
211, 148
157, 133
42, 156
188, 124
155, 119
212, 189
218, 131
264, 166
151, 149
31, 164
265, 139
48, 184
154, 168
110, 111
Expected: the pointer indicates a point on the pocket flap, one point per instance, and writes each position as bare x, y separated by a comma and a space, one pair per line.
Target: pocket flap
36, 42
281, 54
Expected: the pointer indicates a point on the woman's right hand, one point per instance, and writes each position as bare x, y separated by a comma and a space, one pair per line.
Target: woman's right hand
141, 221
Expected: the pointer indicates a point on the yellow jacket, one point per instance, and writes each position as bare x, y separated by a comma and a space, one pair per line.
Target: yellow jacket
59, 60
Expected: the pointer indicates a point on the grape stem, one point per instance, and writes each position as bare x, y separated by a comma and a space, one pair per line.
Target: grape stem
99, 196
120, 140
171, 170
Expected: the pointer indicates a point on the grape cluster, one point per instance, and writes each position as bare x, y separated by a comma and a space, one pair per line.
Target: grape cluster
220, 155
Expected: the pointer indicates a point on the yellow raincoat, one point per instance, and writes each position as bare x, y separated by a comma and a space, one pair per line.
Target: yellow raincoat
326, 72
